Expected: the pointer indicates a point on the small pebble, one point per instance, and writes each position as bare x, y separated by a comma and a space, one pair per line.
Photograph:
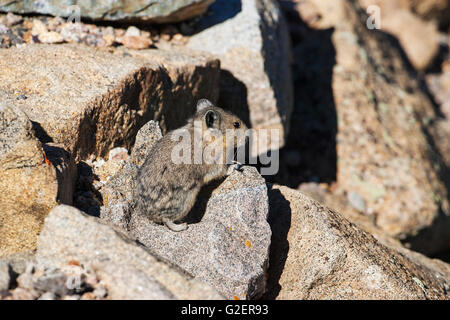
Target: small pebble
357, 201
47, 296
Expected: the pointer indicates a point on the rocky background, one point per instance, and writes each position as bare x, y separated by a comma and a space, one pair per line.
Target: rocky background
360, 208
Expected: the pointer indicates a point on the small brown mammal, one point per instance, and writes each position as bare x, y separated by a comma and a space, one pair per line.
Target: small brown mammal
166, 189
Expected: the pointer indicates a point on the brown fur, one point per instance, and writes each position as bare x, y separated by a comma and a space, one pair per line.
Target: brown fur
166, 191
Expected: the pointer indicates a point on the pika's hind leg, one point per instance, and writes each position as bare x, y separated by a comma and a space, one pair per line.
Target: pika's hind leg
186, 200
174, 226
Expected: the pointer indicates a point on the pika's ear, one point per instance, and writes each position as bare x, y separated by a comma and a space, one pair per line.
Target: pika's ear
212, 119
203, 103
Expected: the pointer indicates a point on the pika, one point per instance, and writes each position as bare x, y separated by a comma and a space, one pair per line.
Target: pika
166, 187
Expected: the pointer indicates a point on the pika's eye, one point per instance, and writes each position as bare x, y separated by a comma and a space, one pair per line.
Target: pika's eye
237, 125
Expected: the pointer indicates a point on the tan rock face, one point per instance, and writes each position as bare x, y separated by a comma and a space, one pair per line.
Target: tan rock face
340, 203
317, 254
419, 38
92, 100
28, 184
384, 150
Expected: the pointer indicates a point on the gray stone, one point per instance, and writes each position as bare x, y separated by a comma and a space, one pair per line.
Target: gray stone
227, 246
252, 42
118, 196
159, 11
127, 269
118, 192
54, 281
4, 276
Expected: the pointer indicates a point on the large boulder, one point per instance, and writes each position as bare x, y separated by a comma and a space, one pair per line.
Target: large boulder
418, 37
228, 237
251, 40
126, 268
385, 152
159, 11
318, 254
28, 182
5, 278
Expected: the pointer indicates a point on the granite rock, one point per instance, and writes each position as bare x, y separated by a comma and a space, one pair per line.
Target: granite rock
28, 183
418, 37
229, 220
128, 270
318, 254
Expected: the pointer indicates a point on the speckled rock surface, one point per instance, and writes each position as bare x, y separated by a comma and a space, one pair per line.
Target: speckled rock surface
72, 282
418, 37
227, 242
383, 137
92, 111
155, 11
441, 133
127, 269
340, 203
250, 38
28, 184
318, 254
